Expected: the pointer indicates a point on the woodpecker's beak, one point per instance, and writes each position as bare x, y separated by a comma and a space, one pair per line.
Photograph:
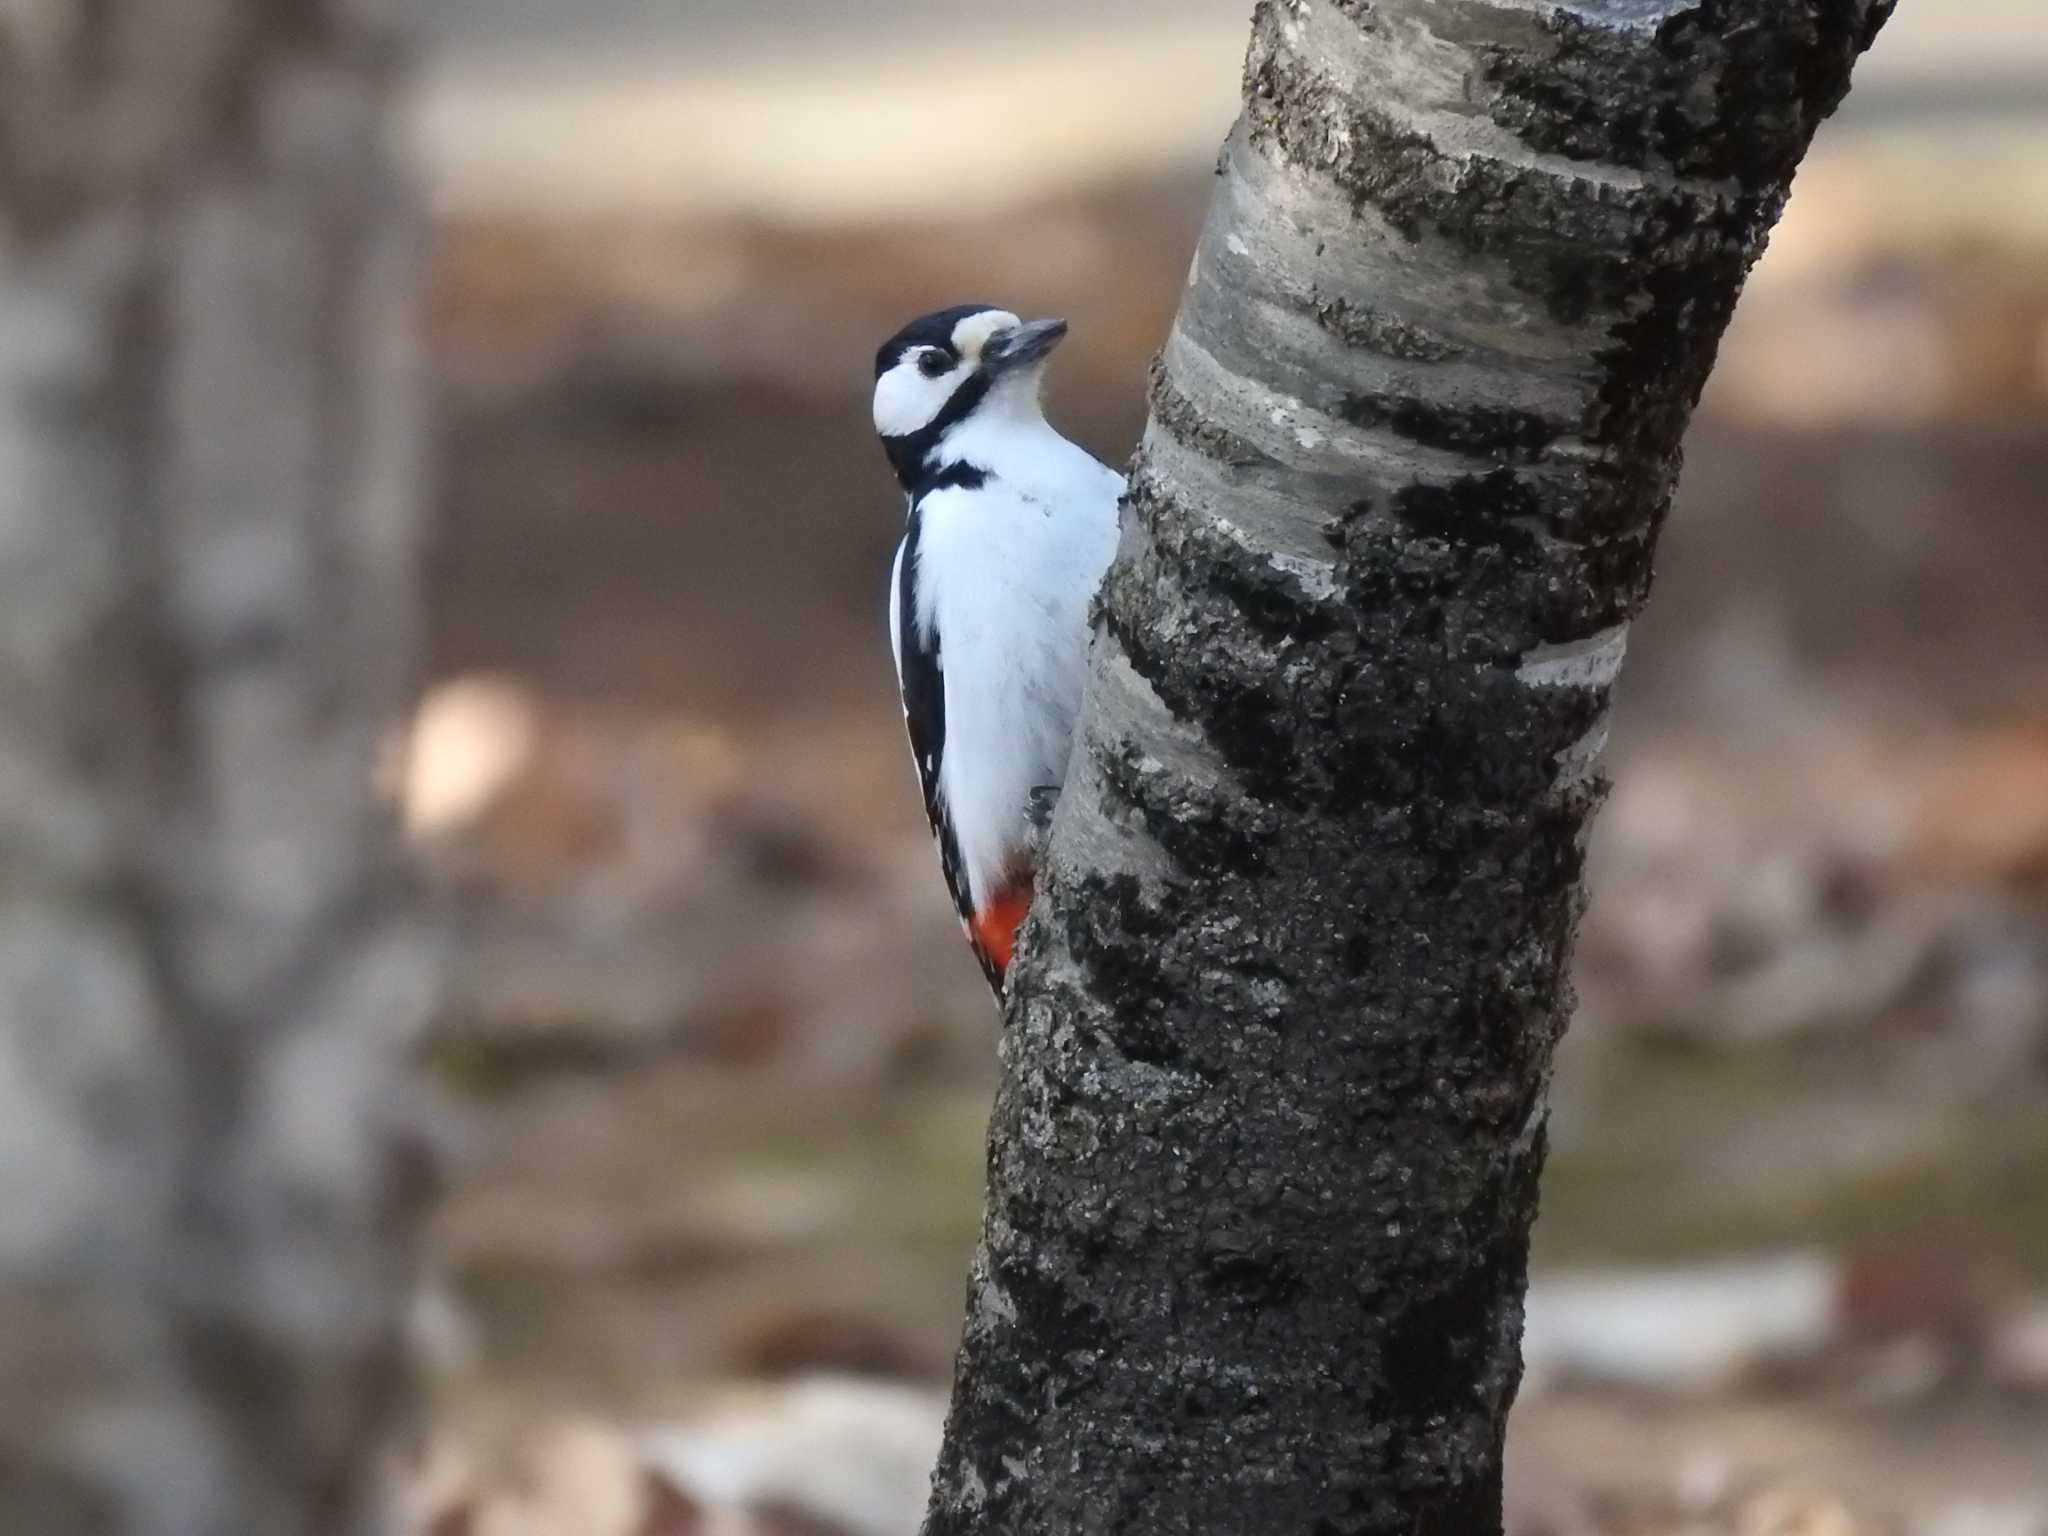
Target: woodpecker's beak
1020, 347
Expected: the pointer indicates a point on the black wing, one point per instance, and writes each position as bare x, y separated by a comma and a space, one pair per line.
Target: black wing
922, 679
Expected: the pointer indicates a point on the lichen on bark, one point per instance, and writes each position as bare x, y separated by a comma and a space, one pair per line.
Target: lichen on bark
1264, 1157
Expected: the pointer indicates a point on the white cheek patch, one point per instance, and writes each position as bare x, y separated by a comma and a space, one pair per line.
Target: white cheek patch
972, 334
906, 401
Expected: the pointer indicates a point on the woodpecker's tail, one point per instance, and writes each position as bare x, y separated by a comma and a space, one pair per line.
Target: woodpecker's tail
993, 930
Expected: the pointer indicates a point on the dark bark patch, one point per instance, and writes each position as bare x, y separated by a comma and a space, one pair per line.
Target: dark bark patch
1575, 243
1500, 433
1407, 689
1271, 601
1429, 1348
1461, 1511
1245, 1269
1177, 416
1045, 1299
1239, 713
1203, 832
1375, 330
1657, 365
1466, 561
1493, 508
1116, 935
1304, 116
1718, 91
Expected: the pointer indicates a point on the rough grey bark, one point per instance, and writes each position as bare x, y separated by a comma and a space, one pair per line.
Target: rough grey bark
211, 971
1264, 1157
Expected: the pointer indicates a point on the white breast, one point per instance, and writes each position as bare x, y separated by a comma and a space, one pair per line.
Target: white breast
1005, 575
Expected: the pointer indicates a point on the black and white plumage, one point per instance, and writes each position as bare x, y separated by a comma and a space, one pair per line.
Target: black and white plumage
1010, 530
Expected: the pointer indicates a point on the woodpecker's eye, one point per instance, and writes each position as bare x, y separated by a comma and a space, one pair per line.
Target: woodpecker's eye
932, 362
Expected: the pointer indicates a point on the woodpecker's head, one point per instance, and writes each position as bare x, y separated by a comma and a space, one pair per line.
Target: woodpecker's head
945, 369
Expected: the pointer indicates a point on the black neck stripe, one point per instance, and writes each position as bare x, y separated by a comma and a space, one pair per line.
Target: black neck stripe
958, 475
910, 455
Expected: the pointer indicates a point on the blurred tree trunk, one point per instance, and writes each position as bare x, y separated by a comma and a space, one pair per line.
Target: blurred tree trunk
211, 971
1264, 1157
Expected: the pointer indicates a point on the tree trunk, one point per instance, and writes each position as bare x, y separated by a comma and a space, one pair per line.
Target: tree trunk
1264, 1157
211, 971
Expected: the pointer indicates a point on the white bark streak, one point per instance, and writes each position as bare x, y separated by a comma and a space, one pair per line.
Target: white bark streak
1593, 662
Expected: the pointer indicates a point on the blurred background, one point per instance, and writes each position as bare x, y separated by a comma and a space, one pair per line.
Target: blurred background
721, 1059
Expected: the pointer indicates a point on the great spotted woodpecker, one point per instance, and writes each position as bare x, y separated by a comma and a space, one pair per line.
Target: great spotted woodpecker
1010, 530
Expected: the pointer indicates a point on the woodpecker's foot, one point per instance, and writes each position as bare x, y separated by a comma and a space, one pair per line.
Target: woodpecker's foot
1038, 808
